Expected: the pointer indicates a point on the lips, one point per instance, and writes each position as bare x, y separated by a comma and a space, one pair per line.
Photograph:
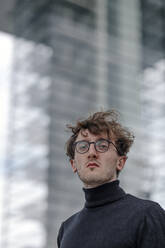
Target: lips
92, 164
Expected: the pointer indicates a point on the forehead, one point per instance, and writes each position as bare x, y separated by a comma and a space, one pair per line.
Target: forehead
87, 135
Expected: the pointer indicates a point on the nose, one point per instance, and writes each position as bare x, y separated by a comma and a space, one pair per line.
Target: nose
92, 153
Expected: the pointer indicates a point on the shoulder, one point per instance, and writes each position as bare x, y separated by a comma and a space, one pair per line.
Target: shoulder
65, 224
149, 217
72, 219
141, 202
146, 221
144, 207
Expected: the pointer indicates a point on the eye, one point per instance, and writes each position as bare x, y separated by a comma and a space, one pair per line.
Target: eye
102, 145
82, 146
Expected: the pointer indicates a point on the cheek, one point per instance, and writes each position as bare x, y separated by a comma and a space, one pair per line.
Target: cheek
79, 156
78, 161
110, 162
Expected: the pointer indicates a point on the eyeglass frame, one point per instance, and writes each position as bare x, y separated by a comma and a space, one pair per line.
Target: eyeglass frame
94, 142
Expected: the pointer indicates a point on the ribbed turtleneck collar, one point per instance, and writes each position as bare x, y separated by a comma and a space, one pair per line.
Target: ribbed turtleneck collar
103, 194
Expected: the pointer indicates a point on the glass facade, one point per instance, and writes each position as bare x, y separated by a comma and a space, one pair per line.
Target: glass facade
72, 57
153, 102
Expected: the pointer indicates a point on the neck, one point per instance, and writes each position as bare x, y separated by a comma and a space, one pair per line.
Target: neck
103, 194
90, 186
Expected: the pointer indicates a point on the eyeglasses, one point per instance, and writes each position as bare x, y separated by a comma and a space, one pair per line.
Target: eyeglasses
101, 145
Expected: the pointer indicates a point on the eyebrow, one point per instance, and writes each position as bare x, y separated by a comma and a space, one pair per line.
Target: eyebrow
93, 141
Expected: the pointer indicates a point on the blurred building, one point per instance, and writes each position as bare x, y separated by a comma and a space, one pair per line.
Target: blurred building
72, 57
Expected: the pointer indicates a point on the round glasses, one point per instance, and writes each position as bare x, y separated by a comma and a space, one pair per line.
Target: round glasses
101, 145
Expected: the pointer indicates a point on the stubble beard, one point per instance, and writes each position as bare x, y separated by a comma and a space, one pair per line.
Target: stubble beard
94, 180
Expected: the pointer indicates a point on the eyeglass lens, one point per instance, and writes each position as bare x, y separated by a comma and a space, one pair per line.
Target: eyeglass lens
100, 146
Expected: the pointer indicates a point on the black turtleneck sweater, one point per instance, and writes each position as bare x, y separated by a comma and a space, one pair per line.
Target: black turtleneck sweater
113, 219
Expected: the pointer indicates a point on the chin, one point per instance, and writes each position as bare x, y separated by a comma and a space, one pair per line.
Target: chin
93, 181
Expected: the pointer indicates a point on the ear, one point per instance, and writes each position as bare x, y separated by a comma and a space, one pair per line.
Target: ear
72, 162
121, 162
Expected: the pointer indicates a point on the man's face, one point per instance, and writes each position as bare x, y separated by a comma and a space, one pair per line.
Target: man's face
95, 168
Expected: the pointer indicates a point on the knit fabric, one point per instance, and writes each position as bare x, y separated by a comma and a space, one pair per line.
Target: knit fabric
113, 219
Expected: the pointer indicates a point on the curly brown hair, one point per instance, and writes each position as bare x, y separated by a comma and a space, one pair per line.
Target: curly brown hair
102, 122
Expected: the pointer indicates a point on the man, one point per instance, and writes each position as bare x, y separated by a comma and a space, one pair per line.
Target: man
110, 218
